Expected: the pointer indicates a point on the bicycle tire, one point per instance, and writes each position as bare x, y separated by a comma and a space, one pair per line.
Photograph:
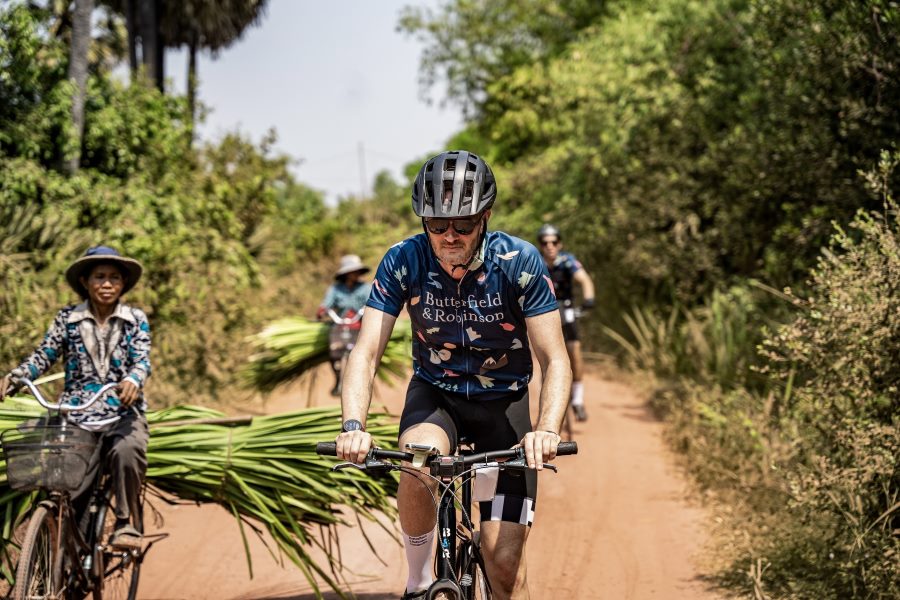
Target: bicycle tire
118, 572
471, 573
38, 572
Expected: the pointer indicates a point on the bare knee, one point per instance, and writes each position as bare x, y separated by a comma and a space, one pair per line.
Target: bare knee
508, 570
504, 551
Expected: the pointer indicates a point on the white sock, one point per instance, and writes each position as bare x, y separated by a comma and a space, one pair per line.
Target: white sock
419, 558
577, 393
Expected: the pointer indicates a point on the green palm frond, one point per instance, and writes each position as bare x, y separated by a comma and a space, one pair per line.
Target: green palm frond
288, 348
265, 472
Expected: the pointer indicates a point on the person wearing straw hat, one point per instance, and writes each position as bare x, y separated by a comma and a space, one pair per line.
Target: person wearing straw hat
103, 340
346, 297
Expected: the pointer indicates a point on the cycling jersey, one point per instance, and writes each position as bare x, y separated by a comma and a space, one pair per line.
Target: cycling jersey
562, 271
469, 336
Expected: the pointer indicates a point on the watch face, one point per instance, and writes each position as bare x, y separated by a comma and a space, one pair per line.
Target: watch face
351, 425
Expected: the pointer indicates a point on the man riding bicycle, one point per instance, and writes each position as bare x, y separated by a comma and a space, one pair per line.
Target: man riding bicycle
103, 340
346, 298
480, 302
565, 270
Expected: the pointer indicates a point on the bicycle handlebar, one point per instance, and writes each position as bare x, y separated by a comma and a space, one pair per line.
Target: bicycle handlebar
341, 320
67, 408
563, 449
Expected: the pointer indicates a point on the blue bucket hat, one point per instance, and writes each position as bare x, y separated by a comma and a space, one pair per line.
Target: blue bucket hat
103, 254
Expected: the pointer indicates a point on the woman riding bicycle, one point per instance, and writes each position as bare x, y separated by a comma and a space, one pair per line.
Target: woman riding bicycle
346, 298
103, 340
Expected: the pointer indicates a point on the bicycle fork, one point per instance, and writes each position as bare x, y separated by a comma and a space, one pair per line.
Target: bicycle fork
446, 576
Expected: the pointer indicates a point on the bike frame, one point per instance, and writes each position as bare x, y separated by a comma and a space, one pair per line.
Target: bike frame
452, 473
82, 551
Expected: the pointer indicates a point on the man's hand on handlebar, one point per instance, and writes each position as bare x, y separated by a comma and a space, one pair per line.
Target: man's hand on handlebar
353, 445
540, 447
128, 392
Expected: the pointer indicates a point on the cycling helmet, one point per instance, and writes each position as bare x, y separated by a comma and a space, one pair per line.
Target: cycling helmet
547, 230
453, 184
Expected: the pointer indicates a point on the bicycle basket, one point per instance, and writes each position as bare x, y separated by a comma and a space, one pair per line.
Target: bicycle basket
50, 457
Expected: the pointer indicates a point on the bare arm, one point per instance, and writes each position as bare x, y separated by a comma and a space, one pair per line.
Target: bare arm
358, 378
587, 284
545, 334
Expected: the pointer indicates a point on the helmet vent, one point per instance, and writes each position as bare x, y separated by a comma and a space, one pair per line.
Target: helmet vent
428, 199
447, 199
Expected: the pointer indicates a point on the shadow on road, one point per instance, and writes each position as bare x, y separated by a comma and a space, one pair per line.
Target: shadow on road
328, 596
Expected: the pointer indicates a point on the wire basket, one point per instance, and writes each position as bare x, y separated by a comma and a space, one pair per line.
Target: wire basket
50, 457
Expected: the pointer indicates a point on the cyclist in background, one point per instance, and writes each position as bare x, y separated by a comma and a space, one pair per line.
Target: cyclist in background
479, 303
346, 297
565, 271
103, 340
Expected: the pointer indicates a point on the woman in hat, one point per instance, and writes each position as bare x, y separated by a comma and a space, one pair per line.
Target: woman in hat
346, 297
103, 340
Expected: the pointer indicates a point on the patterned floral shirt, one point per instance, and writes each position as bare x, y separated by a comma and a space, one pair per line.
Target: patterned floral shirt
343, 299
469, 336
93, 357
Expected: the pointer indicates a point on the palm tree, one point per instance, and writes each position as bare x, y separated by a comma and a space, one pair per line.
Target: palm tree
78, 72
142, 22
154, 25
207, 24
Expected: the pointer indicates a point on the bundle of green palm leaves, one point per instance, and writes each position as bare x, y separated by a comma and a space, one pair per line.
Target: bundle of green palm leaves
289, 347
265, 472
14, 505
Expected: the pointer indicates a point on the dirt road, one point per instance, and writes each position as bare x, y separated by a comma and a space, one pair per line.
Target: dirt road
614, 523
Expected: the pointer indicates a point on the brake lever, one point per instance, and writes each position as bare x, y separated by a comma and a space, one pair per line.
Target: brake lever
519, 463
347, 465
371, 466
374, 466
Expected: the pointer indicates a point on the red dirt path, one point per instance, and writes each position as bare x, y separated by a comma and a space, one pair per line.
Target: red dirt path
614, 523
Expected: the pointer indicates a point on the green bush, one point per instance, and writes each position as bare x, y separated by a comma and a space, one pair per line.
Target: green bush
842, 359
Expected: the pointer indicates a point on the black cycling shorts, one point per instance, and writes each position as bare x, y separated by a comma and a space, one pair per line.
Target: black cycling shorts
488, 425
570, 332
569, 322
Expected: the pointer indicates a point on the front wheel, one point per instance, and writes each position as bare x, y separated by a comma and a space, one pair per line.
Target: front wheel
38, 574
472, 579
118, 570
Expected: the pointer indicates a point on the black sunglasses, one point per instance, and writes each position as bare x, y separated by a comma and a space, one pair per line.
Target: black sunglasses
460, 226
549, 242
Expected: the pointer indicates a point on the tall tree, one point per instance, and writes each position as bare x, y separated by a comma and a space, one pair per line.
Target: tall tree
78, 72
207, 24
146, 44
473, 43
154, 25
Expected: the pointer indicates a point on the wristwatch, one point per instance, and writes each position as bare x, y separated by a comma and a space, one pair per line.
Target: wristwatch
352, 425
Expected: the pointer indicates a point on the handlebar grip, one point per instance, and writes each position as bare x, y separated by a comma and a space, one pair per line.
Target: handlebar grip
326, 448
565, 448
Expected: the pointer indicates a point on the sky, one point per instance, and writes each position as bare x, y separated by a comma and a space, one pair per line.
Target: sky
336, 81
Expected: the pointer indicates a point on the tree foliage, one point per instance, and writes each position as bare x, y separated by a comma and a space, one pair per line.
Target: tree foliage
193, 217
473, 43
688, 148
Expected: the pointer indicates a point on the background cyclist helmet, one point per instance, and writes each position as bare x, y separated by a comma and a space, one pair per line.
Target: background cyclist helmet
548, 230
453, 184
